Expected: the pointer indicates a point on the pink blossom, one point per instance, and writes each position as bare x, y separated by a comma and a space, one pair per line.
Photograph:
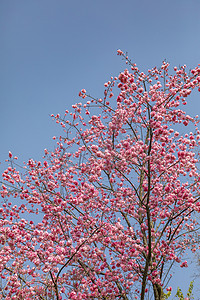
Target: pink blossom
108, 210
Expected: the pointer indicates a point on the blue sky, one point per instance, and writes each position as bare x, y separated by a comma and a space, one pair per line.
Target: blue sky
51, 49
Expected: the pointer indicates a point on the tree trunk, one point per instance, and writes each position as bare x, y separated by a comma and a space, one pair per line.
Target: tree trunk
158, 292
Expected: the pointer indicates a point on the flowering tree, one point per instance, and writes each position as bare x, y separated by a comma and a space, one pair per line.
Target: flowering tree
106, 214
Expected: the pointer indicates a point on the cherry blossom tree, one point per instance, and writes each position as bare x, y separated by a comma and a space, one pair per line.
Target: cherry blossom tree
110, 210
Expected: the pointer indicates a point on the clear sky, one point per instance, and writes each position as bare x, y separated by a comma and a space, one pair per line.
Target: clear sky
51, 49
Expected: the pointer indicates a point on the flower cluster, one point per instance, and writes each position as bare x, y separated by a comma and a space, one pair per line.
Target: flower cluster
105, 214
